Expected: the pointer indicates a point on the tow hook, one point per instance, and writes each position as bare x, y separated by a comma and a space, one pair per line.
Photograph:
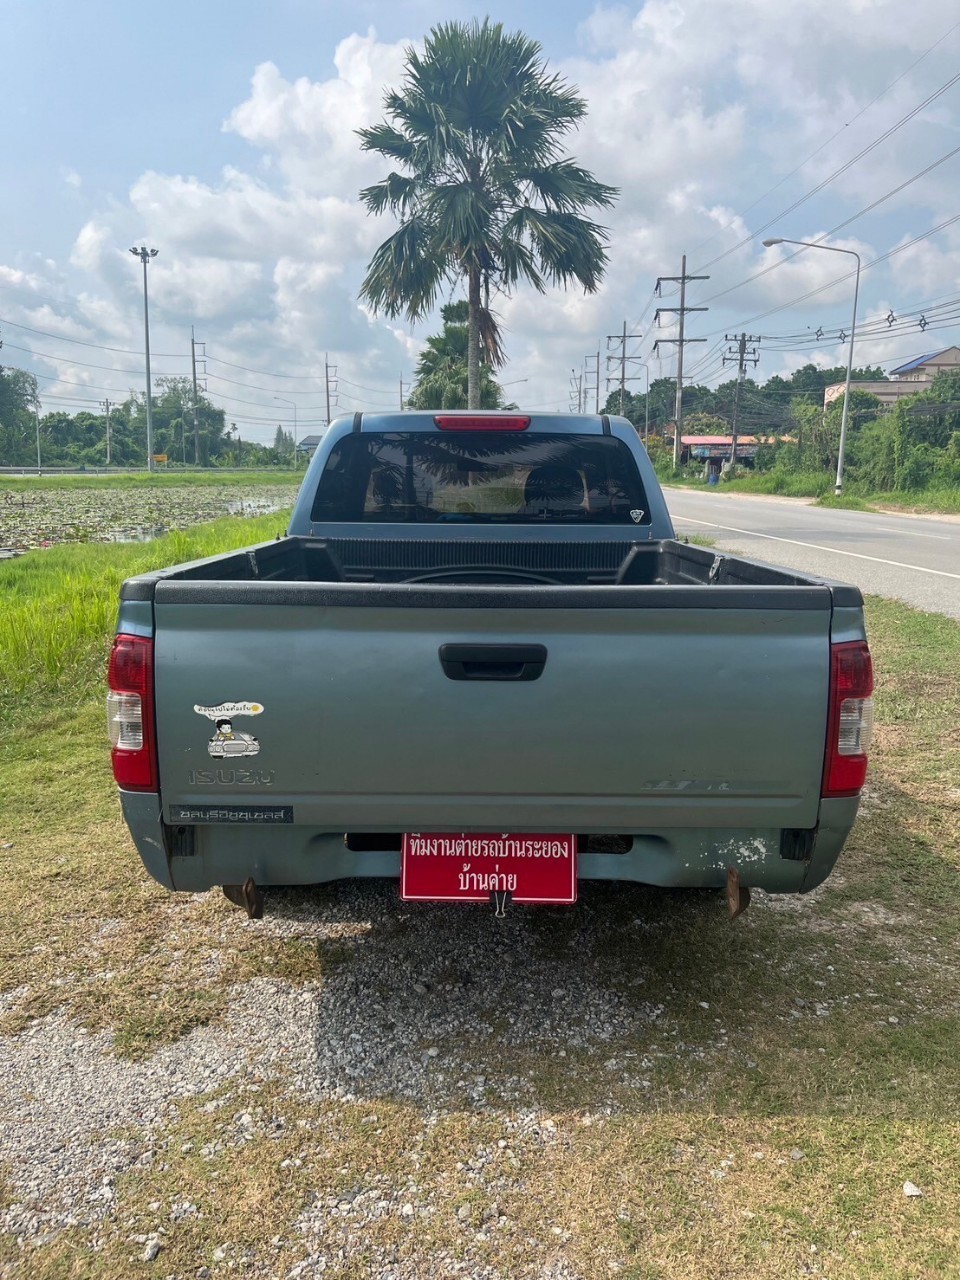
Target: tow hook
246, 895
738, 895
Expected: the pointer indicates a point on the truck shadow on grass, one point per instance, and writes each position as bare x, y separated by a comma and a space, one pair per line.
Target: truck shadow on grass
636, 999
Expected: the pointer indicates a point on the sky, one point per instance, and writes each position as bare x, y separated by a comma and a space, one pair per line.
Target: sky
224, 136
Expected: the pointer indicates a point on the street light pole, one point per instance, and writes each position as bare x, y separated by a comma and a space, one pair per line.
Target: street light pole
516, 382
294, 406
808, 244
145, 254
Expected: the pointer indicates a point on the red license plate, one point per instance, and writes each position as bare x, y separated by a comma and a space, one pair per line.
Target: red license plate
461, 867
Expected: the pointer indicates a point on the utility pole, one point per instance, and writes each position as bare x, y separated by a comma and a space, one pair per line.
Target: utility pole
401, 388
681, 279
585, 377
145, 254
623, 359
576, 389
106, 406
623, 366
330, 373
196, 421
740, 356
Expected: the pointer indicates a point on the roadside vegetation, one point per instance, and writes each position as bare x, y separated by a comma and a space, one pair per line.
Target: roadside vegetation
163, 478
58, 609
904, 457
754, 1105
819, 486
180, 436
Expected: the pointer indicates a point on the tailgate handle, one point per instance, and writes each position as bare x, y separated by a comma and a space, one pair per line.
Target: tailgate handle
493, 661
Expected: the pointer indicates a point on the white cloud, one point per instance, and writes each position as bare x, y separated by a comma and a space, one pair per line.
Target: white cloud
695, 112
16, 282
309, 127
90, 246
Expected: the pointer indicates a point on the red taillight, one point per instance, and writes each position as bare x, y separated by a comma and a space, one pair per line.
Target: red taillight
130, 718
850, 723
481, 422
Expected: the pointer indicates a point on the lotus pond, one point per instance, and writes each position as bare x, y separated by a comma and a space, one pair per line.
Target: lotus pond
33, 515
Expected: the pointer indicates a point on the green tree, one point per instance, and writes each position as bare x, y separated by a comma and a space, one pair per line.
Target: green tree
18, 395
705, 424
173, 423
485, 196
441, 378
283, 445
662, 398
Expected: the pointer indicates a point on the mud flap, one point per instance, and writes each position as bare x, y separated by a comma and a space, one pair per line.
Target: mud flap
738, 895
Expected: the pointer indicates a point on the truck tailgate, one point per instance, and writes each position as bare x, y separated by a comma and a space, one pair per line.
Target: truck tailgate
655, 706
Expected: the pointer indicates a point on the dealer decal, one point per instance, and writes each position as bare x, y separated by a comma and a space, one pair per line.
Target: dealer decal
233, 814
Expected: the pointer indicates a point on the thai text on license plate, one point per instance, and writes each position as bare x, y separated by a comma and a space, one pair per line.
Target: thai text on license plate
469, 867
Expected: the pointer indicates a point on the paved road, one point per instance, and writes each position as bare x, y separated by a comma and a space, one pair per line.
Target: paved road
904, 557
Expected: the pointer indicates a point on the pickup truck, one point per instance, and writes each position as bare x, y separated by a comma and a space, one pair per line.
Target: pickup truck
481, 663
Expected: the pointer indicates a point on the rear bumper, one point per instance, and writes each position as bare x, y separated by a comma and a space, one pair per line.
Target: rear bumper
674, 857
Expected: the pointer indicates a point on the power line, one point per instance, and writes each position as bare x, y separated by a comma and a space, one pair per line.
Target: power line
839, 227
99, 346
927, 307
708, 358
865, 151
803, 163
812, 293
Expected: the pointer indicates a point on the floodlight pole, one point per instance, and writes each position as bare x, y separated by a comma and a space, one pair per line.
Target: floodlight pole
831, 248
145, 254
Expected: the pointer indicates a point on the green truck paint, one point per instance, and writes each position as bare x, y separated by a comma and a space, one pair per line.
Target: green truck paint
427, 650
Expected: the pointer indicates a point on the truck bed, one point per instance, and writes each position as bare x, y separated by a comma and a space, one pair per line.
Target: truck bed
477, 560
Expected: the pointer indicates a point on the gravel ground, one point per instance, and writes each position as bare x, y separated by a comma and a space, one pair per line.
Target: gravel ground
435, 1006
443, 1009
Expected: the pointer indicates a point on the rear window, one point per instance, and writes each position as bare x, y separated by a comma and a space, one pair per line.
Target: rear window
416, 477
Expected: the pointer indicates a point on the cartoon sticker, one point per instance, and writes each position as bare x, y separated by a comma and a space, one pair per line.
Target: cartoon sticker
636, 516
228, 741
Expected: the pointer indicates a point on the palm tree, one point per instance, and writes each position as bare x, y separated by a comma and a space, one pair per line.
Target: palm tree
441, 374
486, 195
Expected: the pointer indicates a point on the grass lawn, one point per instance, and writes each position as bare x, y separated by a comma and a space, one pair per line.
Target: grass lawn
801, 1064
